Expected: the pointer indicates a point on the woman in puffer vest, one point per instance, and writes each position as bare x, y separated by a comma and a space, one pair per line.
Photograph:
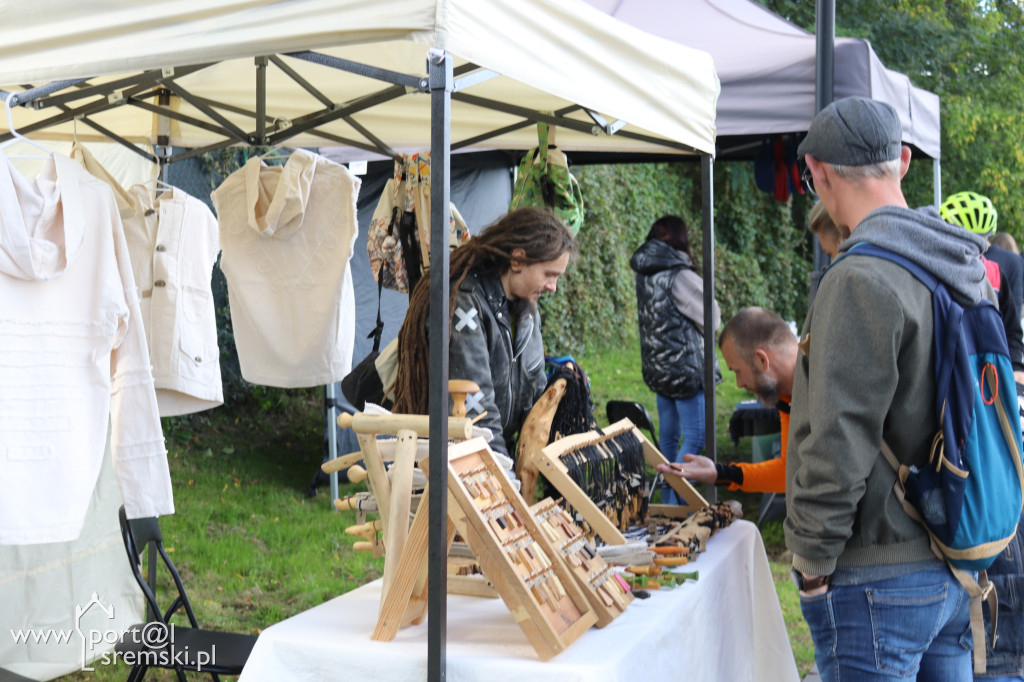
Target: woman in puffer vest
670, 309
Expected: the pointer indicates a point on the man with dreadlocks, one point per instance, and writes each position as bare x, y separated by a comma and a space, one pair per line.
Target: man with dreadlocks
496, 279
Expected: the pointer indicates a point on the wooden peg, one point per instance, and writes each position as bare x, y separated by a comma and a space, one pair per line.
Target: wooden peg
339, 463
459, 389
364, 503
644, 570
459, 428
356, 474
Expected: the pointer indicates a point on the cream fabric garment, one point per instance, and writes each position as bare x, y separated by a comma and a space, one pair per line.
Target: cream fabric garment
72, 354
287, 233
172, 241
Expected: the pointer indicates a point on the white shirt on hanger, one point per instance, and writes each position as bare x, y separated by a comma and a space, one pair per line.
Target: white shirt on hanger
287, 234
72, 355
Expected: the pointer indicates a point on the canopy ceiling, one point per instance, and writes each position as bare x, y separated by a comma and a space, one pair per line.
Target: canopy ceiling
552, 55
767, 68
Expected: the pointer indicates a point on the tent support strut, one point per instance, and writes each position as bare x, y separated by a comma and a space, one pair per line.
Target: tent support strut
441, 77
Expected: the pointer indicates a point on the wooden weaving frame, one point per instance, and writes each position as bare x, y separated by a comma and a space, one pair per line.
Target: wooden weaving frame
548, 461
547, 604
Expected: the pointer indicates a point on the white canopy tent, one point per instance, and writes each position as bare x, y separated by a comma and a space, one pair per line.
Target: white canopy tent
550, 55
211, 73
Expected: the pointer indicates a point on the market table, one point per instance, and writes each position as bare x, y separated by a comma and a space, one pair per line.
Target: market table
725, 626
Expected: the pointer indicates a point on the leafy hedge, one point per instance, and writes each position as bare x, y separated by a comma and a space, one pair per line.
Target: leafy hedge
762, 250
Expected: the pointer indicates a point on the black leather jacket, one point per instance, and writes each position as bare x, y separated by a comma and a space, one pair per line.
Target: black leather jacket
510, 372
671, 346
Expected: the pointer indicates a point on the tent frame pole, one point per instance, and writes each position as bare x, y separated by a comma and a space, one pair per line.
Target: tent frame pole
707, 201
441, 79
824, 85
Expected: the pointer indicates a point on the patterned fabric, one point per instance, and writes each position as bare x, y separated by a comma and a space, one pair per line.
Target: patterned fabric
544, 180
403, 215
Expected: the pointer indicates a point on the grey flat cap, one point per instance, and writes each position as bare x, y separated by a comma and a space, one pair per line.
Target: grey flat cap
855, 131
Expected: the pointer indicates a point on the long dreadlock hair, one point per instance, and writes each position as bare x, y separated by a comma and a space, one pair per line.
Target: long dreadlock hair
541, 236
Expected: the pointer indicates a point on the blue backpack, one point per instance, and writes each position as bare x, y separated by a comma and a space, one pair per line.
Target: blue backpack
970, 494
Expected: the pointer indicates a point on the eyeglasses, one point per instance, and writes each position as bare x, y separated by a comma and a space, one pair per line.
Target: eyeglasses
808, 181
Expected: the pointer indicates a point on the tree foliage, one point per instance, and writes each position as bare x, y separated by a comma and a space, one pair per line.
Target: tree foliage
762, 251
968, 53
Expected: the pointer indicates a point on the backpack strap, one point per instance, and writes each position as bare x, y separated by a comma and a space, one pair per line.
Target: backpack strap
865, 249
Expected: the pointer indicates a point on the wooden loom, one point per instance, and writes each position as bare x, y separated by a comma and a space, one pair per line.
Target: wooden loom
404, 591
607, 592
551, 462
528, 572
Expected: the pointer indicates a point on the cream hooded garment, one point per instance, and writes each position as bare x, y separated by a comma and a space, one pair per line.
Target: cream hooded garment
172, 242
72, 353
286, 235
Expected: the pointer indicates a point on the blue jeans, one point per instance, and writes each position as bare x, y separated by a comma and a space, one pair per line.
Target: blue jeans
912, 627
680, 419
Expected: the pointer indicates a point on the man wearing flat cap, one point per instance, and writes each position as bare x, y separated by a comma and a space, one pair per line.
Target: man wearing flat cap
879, 603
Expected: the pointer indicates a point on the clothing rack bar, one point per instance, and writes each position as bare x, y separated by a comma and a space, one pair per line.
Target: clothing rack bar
26, 97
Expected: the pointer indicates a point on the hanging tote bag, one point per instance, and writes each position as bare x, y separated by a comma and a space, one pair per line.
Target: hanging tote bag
398, 238
544, 180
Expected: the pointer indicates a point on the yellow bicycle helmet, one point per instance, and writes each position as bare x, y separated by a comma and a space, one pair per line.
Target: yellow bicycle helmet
972, 211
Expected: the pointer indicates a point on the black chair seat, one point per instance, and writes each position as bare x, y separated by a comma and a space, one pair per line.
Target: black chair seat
635, 412
156, 644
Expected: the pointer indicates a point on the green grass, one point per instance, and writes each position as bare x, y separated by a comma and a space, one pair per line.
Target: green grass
254, 550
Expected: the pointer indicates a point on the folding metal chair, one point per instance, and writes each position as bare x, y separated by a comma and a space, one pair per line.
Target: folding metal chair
185, 647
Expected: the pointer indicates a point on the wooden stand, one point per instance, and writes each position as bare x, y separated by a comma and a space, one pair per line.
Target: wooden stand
533, 437
549, 463
403, 595
532, 578
607, 593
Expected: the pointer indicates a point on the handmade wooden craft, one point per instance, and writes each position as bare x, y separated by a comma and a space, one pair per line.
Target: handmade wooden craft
403, 595
607, 592
603, 476
530, 575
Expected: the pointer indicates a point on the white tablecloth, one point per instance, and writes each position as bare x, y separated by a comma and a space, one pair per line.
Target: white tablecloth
727, 627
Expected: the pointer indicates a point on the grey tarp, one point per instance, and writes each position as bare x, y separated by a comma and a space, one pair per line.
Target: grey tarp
767, 68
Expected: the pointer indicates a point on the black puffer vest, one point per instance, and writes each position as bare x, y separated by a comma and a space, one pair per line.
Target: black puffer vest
671, 346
